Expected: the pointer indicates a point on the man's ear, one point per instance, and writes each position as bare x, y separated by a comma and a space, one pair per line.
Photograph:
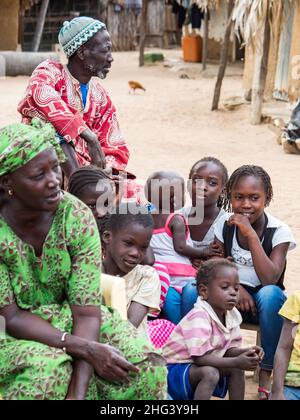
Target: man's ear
106, 237
80, 53
203, 291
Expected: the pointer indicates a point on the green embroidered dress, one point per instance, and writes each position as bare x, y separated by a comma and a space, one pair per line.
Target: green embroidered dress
67, 273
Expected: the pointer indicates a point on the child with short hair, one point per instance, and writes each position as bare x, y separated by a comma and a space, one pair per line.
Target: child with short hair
171, 242
286, 377
126, 236
204, 353
258, 243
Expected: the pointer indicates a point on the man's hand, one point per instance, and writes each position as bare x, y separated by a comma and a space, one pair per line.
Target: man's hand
94, 148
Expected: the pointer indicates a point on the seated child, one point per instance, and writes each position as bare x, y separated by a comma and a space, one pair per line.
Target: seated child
258, 243
207, 182
286, 376
204, 353
126, 237
171, 242
102, 194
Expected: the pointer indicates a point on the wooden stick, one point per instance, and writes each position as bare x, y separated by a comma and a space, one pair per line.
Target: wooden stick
260, 73
205, 41
224, 58
143, 31
40, 26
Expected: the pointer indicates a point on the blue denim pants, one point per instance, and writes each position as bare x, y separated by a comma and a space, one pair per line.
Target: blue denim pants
178, 305
291, 393
268, 300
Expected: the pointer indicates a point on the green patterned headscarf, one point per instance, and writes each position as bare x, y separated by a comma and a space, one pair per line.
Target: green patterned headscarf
20, 143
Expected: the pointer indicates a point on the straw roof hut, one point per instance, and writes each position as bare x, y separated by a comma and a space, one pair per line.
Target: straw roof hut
270, 30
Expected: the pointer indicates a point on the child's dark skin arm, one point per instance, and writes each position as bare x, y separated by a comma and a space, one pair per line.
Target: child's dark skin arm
237, 351
282, 358
246, 302
178, 230
136, 313
268, 269
248, 360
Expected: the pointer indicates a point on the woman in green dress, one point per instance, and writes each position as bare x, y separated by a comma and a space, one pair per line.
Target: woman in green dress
60, 343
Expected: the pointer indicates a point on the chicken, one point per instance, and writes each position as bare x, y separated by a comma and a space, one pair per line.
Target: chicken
135, 85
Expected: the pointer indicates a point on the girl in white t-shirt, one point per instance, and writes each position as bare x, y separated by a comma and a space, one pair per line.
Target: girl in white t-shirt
258, 244
208, 178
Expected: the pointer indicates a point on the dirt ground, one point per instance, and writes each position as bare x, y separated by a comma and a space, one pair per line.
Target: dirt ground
170, 126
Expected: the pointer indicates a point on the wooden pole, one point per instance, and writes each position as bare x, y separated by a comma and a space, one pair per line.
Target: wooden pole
224, 58
40, 26
260, 72
205, 41
143, 31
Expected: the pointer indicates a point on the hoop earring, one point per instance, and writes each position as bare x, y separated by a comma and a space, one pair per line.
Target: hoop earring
10, 192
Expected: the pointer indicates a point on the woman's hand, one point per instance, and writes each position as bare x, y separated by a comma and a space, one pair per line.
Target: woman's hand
94, 148
109, 363
242, 222
246, 302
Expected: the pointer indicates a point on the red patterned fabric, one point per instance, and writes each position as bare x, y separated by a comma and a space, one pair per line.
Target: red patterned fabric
159, 332
55, 96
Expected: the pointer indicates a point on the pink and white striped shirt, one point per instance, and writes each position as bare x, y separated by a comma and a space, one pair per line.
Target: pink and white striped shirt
179, 267
201, 332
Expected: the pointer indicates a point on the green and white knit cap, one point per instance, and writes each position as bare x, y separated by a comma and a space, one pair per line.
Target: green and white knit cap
77, 32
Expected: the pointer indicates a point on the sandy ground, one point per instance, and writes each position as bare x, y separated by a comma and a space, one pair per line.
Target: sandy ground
170, 126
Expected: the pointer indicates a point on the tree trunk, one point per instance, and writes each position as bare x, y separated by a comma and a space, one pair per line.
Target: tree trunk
260, 73
205, 41
143, 31
224, 58
40, 26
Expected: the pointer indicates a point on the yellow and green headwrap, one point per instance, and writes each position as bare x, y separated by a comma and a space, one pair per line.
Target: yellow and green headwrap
19, 143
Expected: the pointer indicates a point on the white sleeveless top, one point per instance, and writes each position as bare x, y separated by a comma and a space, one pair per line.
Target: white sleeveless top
180, 267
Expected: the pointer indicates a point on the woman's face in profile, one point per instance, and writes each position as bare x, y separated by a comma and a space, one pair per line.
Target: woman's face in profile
37, 185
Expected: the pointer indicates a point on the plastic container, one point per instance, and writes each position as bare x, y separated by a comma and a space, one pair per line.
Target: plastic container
192, 48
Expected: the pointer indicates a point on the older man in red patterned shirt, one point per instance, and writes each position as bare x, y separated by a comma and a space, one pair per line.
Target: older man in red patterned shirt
72, 99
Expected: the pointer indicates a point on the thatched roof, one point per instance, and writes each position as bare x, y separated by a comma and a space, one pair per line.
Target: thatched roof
27, 4
211, 4
249, 15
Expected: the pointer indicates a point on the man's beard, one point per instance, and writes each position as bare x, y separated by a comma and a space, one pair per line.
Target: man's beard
94, 71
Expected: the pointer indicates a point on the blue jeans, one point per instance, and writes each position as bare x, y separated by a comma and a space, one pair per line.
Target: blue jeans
291, 393
268, 300
178, 305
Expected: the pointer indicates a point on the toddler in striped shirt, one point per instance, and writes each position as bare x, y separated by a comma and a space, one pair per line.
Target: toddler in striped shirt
204, 353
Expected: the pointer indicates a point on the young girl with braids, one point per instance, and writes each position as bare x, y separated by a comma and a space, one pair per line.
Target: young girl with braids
258, 244
208, 178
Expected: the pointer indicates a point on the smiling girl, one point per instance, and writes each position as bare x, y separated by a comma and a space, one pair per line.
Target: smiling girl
258, 244
126, 238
